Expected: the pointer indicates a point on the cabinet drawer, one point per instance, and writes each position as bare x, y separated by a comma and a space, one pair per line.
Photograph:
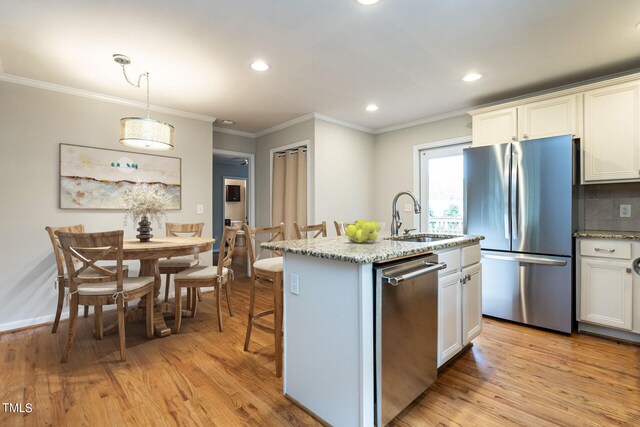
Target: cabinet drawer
452, 259
605, 248
470, 255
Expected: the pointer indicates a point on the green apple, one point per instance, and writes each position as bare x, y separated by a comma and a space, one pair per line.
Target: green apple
360, 223
351, 230
368, 227
373, 235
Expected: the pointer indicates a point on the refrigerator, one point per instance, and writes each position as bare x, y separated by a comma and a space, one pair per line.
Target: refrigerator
521, 196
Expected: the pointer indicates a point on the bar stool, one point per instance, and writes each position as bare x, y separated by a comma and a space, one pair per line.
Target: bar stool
266, 270
301, 231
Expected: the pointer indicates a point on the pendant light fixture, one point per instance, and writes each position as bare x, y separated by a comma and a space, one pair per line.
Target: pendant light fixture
143, 132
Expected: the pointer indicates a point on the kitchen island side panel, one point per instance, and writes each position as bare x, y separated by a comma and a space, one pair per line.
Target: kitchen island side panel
328, 339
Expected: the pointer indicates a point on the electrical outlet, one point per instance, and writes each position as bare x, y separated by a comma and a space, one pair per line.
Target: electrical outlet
408, 207
200, 208
625, 211
294, 286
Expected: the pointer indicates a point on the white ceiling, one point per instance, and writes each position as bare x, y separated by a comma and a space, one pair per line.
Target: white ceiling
329, 56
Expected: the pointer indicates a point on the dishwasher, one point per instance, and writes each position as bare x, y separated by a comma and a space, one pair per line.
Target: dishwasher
406, 332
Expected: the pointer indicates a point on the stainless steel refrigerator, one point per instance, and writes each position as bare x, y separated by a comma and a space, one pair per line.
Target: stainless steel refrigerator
521, 197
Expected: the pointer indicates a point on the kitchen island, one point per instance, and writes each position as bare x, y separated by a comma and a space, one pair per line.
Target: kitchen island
329, 324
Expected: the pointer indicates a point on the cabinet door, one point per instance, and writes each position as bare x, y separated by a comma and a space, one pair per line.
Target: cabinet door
551, 117
471, 303
606, 292
495, 127
611, 147
449, 317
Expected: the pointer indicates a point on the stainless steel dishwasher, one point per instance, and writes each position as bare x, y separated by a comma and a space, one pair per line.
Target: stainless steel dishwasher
406, 336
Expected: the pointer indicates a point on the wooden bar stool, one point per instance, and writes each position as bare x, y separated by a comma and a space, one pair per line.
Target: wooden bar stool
203, 276
171, 266
266, 270
301, 231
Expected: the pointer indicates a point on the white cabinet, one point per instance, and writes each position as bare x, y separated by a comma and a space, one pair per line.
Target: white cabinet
611, 148
551, 117
459, 301
606, 296
471, 303
495, 127
541, 119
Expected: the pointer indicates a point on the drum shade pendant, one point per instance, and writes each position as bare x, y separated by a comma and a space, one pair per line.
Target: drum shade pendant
143, 132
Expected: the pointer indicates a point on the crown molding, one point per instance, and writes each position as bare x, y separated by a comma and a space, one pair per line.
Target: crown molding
344, 123
285, 125
10, 78
424, 121
234, 132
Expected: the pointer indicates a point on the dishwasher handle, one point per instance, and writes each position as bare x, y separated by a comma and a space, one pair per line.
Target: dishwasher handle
428, 268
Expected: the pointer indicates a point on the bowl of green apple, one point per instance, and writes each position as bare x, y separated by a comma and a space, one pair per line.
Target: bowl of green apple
363, 231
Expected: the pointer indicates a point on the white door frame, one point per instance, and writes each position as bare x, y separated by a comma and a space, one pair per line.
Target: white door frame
251, 180
416, 168
310, 195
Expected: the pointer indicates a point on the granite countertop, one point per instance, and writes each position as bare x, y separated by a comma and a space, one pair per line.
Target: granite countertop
339, 248
601, 234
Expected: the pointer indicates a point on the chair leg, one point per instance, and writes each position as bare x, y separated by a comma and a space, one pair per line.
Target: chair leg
86, 311
56, 321
150, 314
73, 323
227, 291
252, 301
219, 305
99, 324
121, 334
189, 300
194, 302
178, 309
277, 320
199, 295
166, 288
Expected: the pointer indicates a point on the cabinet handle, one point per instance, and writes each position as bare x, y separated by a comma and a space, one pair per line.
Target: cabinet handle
513, 138
525, 136
628, 271
609, 251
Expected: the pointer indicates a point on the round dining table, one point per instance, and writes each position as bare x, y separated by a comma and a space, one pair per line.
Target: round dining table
148, 253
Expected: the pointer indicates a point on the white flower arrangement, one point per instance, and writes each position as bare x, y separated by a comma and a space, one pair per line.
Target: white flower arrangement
145, 199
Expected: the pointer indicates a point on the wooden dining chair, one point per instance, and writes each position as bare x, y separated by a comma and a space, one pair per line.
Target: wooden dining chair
106, 286
301, 231
207, 276
175, 265
269, 270
62, 281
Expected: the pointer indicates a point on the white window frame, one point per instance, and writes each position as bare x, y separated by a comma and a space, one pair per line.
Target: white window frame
447, 147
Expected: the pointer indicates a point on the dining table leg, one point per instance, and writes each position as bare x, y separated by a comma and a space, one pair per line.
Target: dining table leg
149, 267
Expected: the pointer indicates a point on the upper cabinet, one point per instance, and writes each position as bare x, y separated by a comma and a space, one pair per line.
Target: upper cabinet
551, 117
604, 115
611, 144
495, 127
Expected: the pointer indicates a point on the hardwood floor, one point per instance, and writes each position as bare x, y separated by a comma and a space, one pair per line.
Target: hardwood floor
511, 376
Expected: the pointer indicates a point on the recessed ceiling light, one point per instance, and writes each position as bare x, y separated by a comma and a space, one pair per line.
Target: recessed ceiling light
472, 77
228, 122
260, 66
372, 107
368, 2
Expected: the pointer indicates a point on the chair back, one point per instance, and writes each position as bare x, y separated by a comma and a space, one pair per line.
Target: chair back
320, 229
174, 229
339, 228
258, 235
85, 249
227, 245
57, 249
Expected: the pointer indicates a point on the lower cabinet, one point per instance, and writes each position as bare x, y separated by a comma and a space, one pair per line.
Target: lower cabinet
459, 301
606, 292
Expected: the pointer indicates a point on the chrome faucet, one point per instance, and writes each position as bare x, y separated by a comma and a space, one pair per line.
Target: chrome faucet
395, 215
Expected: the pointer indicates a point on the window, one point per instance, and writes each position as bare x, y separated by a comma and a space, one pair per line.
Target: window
441, 189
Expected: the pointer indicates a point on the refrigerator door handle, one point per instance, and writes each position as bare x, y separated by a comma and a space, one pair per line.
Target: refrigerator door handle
528, 259
506, 179
515, 204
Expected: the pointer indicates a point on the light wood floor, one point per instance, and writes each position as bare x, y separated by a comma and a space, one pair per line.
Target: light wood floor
512, 376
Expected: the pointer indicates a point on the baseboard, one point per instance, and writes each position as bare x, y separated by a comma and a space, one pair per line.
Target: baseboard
605, 332
307, 410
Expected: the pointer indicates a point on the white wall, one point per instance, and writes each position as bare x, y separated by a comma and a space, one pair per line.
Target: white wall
226, 141
393, 163
344, 174
33, 122
297, 133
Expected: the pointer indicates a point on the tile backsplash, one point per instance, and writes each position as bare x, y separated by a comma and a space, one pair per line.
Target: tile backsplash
602, 207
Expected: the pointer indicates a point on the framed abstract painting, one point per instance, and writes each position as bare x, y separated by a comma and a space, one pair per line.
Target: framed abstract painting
96, 178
